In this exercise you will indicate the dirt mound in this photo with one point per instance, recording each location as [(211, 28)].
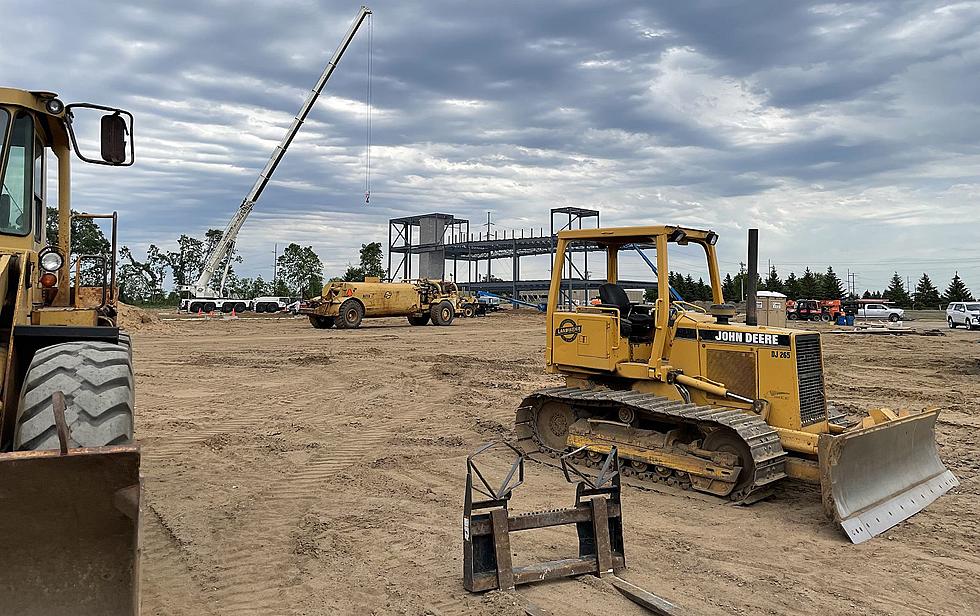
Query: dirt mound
[(132, 318)]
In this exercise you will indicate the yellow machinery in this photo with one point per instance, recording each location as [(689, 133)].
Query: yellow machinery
[(69, 469), (346, 304), (691, 399)]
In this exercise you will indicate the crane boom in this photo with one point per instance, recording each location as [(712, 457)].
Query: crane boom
[(222, 252)]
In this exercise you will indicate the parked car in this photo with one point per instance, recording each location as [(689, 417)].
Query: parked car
[(881, 311), (966, 314)]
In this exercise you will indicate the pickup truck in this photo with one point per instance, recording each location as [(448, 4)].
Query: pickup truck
[(966, 314), (880, 311)]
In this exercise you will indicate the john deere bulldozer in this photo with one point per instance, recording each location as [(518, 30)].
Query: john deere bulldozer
[(692, 399), (69, 470)]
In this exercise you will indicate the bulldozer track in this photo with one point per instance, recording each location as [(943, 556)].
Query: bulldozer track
[(760, 438)]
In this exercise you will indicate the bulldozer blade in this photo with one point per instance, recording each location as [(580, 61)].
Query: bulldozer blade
[(873, 478), (70, 528)]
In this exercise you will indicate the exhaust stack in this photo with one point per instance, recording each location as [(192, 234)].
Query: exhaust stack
[(751, 318)]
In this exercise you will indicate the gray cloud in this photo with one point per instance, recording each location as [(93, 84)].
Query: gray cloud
[(846, 131)]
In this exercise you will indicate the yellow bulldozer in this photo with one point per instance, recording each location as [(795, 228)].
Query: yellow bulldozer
[(69, 469), (690, 398)]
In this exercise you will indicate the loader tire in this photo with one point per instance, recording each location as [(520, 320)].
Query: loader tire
[(320, 322), (351, 314), (126, 341), (443, 313), (97, 381), (468, 310), (418, 319)]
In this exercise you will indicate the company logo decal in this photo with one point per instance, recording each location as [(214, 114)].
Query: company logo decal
[(736, 337), (568, 330)]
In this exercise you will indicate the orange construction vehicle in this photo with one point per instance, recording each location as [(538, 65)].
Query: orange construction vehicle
[(813, 309)]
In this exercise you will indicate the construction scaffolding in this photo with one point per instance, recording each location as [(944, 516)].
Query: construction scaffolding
[(435, 239)]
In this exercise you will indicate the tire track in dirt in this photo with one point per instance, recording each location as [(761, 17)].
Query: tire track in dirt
[(164, 570), (266, 537), (244, 583)]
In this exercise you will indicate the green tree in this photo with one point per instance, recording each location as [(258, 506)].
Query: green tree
[(896, 292), (792, 288), (832, 287), (187, 262), (141, 282), (300, 271), (369, 264), (703, 290), (353, 274), (809, 285), (729, 288), (926, 294), (371, 260), (772, 282), (957, 290)]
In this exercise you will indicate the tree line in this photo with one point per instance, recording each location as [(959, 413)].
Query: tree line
[(824, 285), (156, 278)]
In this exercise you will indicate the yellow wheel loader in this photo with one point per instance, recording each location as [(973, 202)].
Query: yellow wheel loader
[(69, 468), (692, 399)]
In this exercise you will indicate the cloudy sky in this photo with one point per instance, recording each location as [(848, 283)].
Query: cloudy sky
[(847, 132)]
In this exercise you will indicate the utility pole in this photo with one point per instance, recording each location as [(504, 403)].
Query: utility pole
[(275, 264)]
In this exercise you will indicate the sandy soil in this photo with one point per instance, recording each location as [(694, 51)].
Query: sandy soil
[(294, 471)]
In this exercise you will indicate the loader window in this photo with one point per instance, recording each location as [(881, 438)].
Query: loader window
[(17, 193)]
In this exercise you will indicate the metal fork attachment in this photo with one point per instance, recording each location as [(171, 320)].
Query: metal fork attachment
[(487, 524)]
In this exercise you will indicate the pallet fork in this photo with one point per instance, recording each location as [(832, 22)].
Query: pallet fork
[(597, 515)]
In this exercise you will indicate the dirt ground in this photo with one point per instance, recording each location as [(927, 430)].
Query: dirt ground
[(294, 471)]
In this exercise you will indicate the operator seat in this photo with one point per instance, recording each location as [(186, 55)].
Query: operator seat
[(632, 324)]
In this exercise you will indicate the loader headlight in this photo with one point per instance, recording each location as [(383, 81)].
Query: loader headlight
[(51, 260)]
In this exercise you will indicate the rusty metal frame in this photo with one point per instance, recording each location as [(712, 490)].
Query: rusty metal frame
[(114, 217), (487, 525)]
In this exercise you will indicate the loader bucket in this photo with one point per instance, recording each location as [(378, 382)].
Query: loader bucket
[(69, 532), (873, 478)]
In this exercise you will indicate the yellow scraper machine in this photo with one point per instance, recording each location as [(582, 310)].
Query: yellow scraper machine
[(689, 398)]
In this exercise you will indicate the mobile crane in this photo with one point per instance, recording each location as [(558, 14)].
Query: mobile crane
[(202, 295)]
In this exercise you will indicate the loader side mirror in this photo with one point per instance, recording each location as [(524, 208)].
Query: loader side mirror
[(114, 139), (113, 132)]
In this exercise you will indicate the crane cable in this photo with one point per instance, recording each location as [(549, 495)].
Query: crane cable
[(367, 111)]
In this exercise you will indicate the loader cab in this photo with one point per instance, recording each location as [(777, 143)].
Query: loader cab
[(38, 133), (618, 334)]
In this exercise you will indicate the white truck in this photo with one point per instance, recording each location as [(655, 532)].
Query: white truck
[(271, 304), (966, 314), (881, 311), (214, 304)]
